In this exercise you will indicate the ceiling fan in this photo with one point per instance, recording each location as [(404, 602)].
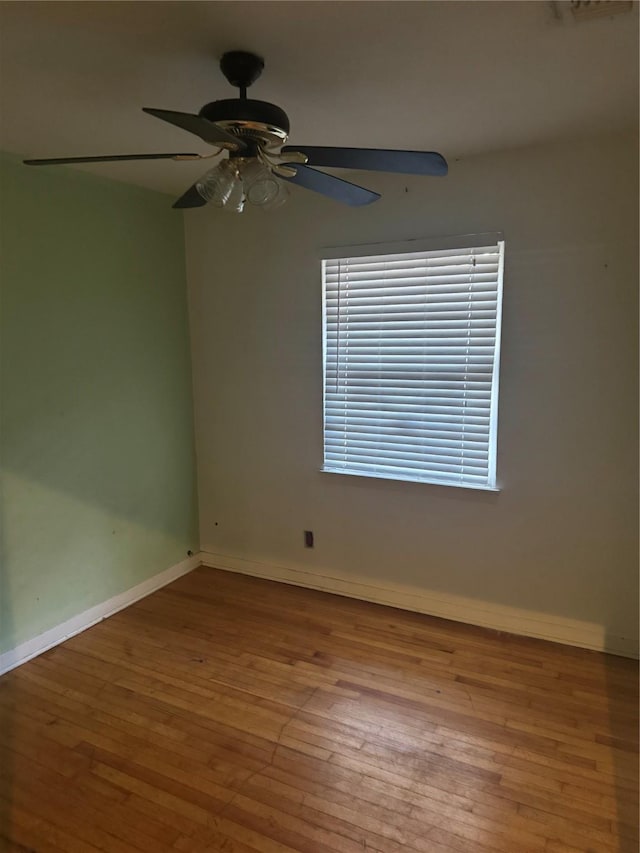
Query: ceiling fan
[(259, 163)]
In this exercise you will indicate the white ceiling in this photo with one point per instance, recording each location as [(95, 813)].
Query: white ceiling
[(455, 77)]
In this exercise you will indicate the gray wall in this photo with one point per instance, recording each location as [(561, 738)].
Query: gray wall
[(561, 536)]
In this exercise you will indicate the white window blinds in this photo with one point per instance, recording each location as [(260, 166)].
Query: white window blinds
[(411, 355)]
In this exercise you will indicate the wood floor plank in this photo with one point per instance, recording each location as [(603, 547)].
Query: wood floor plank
[(227, 713)]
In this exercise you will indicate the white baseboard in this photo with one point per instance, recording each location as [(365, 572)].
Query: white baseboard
[(58, 634), (513, 620), (527, 623)]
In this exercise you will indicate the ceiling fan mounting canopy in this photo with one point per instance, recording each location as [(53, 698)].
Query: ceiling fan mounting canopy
[(254, 134), (241, 68)]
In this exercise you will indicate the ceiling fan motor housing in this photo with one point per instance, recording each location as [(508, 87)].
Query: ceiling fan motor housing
[(252, 120)]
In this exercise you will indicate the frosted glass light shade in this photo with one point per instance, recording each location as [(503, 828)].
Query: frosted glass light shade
[(218, 184), (260, 184)]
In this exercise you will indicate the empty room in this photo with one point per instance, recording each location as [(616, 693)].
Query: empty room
[(319, 427)]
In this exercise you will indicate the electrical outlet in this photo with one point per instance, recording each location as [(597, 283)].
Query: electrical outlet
[(308, 538)]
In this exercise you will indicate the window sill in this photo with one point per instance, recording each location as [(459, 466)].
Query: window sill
[(449, 483)]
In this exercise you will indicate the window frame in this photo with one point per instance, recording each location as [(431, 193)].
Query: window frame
[(336, 253)]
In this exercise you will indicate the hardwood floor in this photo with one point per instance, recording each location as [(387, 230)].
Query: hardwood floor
[(225, 713)]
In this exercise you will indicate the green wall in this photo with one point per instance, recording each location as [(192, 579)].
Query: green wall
[(98, 469)]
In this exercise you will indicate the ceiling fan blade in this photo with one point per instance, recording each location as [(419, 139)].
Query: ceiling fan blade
[(191, 198), (374, 159), (202, 127), (60, 161), (331, 186)]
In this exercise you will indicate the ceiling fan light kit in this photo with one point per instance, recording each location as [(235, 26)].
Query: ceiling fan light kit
[(259, 164), (242, 179)]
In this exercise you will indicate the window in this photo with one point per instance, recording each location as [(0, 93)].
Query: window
[(411, 358)]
